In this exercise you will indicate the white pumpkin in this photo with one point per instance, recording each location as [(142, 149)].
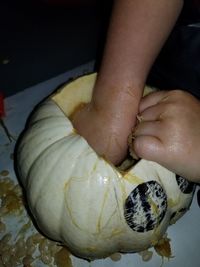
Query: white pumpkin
[(83, 201)]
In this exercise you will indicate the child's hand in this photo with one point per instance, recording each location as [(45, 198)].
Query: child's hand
[(106, 132), (169, 132)]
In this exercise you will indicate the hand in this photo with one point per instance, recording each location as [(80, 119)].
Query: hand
[(106, 132), (169, 132)]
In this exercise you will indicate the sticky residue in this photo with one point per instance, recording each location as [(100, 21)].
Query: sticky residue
[(133, 179), (163, 248), (62, 258)]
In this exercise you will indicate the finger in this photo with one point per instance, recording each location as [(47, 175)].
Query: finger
[(149, 148), (152, 99), (151, 128), (153, 113)]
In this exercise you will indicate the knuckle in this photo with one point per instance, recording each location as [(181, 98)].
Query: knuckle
[(177, 94)]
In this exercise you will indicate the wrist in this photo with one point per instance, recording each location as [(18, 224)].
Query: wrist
[(116, 101)]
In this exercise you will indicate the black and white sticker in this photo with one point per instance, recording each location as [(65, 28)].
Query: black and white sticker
[(145, 207), (185, 186)]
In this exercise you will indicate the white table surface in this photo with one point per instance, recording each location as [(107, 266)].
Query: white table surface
[(184, 235)]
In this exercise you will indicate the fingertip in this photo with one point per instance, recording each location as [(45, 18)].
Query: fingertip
[(148, 147)]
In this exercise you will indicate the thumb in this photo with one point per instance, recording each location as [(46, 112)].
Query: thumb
[(149, 147)]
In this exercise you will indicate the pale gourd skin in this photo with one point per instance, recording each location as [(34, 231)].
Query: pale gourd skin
[(83, 201)]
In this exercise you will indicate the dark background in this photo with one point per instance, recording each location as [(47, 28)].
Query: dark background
[(41, 39)]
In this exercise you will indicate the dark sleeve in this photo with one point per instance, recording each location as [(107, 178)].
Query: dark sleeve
[(190, 13), (178, 64)]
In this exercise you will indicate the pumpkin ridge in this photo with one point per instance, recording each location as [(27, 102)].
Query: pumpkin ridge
[(45, 110), (45, 151), (39, 132)]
